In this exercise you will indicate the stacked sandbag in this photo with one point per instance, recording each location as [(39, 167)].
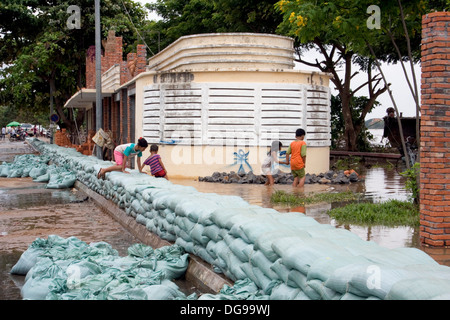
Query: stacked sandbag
[(286, 255), (69, 269), (37, 167), (25, 165)]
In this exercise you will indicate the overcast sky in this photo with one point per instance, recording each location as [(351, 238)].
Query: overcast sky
[(393, 73)]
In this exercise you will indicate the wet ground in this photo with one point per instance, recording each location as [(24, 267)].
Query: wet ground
[(28, 210)]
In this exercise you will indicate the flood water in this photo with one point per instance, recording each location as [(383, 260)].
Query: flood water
[(28, 210)]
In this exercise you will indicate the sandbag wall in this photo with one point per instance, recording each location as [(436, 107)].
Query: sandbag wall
[(37, 167), (287, 255)]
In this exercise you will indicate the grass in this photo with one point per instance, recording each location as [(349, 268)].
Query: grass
[(283, 197), (390, 213)]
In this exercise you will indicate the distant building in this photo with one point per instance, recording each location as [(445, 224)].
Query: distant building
[(213, 102)]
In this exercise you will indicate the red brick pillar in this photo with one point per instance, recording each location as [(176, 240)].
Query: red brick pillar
[(435, 131)]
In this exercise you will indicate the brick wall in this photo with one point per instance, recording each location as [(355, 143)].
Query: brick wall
[(113, 54), (117, 116), (435, 131)]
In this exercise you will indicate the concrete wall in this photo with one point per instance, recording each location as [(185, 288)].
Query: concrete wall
[(225, 50), (203, 123), (223, 113)]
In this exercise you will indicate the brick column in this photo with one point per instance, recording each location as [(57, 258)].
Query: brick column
[(435, 131)]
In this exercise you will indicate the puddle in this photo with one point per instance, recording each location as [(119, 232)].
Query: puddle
[(382, 184), (10, 284), (18, 198)]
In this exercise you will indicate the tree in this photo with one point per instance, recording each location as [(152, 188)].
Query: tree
[(337, 30), (185, 17), (341, 31), (337, 122), (45, 55)]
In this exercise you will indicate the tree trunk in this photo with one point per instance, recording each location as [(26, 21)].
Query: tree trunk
[(350, 136)]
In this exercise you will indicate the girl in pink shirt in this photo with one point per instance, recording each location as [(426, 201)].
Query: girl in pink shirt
[(121, 155)]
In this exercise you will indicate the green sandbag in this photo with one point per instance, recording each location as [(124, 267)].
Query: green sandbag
[(38, 286), (164, 291), (43, 178), (244, 289), (173, 267), (420, 289), (284, 292), (140, 250), (38, 171), (26, 261)]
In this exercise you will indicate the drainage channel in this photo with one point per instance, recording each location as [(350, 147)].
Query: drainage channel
[(29, 211)]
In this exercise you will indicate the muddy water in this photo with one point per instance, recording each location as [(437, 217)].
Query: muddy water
[(29, 211)]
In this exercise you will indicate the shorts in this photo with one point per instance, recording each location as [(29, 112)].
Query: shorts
[(118, 157), (299, 173), (266, 171), (160, 174)]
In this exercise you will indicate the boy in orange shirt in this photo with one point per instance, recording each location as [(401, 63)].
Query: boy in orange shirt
[(297, 152)]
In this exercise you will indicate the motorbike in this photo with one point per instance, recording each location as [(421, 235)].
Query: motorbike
[(19, 136)]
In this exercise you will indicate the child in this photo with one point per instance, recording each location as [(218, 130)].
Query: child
[(156, 165), (297, 150), (269, 161), (121, 155)]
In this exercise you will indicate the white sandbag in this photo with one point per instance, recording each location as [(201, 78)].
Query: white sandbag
[(299, 279), (259, 260), (265, 240), (240, 248)]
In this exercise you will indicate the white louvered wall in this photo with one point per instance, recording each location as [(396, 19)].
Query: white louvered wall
[(239, 114)]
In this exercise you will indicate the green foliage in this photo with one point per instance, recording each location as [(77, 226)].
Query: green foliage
[(282, 197), (348, 163), (411, 184), (37, 49), (186, 17), (7, 115), (339, 31), (390, 213), (342, 21), (345, 22)]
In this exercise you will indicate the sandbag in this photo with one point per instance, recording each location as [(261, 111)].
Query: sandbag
[(67, 269), (420, 289), (165, 291)]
